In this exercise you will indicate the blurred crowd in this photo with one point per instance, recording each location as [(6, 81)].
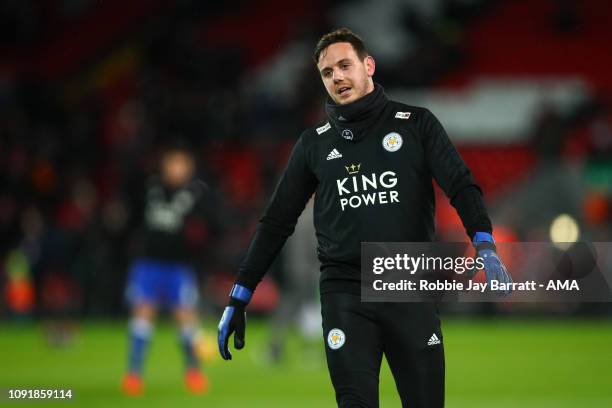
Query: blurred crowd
[(81, 127)]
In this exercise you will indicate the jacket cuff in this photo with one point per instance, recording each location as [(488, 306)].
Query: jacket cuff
[(241, 293), (483, 240)]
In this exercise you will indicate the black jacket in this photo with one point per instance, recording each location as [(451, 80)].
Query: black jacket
[(166, 215), (370, 168)]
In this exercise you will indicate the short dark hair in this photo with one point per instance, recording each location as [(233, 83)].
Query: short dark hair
[(337, 36), (176, 144)]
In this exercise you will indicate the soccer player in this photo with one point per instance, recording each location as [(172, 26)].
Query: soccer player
[(163, 276), (399, 148)]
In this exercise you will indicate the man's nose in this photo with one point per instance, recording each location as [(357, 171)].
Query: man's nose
[(338, 75)]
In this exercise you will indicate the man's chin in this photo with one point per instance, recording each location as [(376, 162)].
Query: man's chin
[(347, 100)]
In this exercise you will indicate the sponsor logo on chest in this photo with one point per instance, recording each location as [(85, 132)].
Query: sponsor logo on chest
[(362, 188)]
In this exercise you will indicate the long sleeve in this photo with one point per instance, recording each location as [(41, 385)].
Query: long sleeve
[(295, 188), (453, 176)]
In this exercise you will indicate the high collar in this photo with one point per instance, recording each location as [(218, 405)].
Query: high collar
[(352, 120)]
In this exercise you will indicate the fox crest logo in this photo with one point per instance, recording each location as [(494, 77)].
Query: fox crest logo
[(335, 339), (392, 142)]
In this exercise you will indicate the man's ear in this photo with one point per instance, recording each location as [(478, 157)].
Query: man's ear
[(370, 65)]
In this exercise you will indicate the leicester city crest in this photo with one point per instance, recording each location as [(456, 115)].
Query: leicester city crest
[(335, 339), (392, 142)]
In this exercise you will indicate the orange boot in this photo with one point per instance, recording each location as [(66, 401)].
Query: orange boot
[(132, 385), (196, 381)]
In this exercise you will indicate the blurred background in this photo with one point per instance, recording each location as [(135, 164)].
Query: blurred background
[(91, 90)]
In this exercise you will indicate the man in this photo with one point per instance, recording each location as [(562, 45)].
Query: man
[(163, 276), (399, 148)]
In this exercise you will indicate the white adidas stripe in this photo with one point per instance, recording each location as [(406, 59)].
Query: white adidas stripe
[(433, 340), (334, 154)]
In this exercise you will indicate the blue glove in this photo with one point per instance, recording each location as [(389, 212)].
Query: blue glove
[(493, 266), (234, 320)]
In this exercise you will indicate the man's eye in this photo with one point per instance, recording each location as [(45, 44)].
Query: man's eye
[(326, 74), (345, 66)]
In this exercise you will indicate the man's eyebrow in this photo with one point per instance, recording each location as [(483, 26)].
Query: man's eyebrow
[(343, 60)]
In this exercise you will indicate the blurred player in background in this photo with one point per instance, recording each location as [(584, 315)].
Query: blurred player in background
[(163, 277)]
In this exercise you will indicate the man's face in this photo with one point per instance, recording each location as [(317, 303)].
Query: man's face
[(346, 77), (177, 168)]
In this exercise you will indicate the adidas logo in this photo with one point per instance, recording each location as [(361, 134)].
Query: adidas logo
[(433, 340), (334, 154)]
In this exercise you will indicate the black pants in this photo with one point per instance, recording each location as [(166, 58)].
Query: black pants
[(358, 334)]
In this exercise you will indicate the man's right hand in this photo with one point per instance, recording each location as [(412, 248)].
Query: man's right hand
[(233, 320)]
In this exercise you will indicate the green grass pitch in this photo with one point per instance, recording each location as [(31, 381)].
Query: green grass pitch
[(490, 363)]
